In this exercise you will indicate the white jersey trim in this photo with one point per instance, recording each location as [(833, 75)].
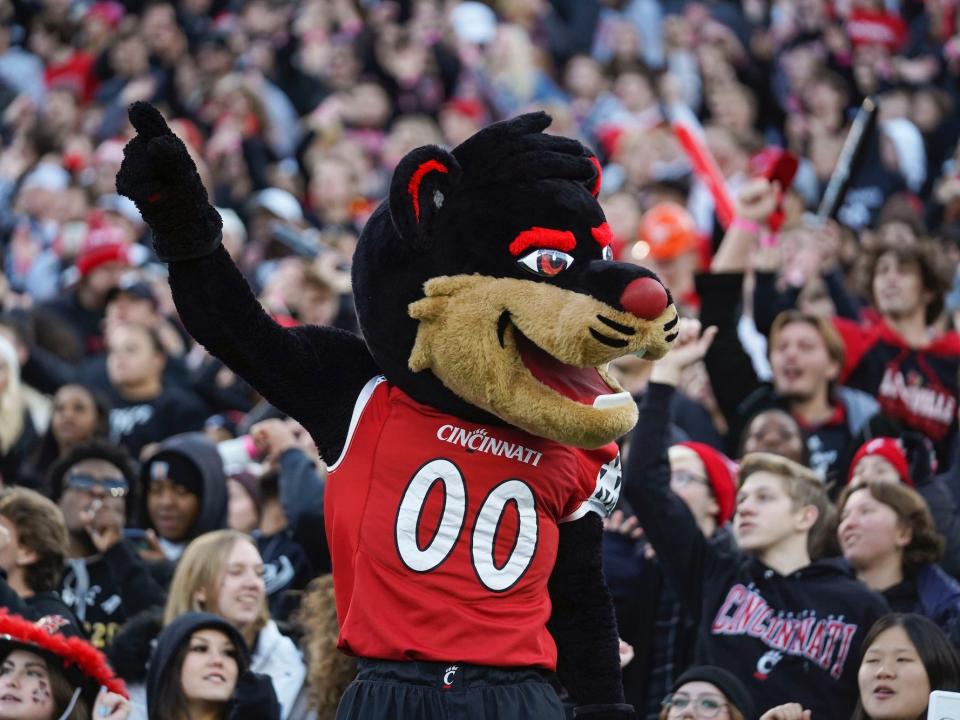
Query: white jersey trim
[(362, 399)]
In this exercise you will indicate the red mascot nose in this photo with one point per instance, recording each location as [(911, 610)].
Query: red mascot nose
[(645, 298)]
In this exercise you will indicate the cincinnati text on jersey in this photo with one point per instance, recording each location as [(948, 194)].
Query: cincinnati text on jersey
[(479, 441)]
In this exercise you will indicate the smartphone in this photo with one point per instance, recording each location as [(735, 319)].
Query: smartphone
[(943, 705)]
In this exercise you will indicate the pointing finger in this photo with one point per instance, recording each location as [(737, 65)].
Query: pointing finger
[(147, 121)]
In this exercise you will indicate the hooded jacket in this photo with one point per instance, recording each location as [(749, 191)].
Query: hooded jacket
[(202, 454), (253, 698), (788, 638)]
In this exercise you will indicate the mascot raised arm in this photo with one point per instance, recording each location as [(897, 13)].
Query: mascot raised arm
[(469, 433)]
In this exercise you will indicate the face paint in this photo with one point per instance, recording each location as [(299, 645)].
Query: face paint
[(41, 694)]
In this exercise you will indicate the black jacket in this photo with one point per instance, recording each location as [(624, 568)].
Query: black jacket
[(39, 605), (13, 461), (644, 601), (253, 698), (103, 591), (788, 638), (134, 424)]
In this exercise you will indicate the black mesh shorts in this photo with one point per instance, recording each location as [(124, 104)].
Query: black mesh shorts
[(385, 690)]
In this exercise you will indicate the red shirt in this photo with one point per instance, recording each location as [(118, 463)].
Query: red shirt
[(443, 533)]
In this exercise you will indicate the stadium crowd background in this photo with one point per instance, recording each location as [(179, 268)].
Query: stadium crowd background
[(296, 113)]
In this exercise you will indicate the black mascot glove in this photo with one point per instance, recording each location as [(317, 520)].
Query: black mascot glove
[(159, 175), (619, 711), (254, 699)]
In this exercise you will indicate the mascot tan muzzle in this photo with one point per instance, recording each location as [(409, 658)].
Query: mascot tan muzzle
[(535, 355)]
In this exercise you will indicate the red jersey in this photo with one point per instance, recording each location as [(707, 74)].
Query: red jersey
[(916, 386), (443, 533)]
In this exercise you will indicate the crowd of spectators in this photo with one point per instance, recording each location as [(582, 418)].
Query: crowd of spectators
[(144, 480)]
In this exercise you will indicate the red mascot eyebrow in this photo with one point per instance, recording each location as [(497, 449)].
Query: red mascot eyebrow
[(413, 187), (602, 234), (543, 237)]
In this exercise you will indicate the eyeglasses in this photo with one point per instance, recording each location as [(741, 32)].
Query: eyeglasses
[(113, 486), (705, 706), (682, 478)]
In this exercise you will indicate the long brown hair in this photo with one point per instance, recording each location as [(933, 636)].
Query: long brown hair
[(329, 671)]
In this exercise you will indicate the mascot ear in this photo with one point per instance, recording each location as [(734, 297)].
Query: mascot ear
[(421, 185), (593, 185)]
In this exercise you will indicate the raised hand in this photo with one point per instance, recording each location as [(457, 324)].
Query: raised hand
[(103, 523), (111, 706), (757, 200), (690, 347), (159, 175)]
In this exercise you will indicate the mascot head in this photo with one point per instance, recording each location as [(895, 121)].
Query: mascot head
[(485, 287)]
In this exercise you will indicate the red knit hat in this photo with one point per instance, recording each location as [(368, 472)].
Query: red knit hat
[(890, 450), (93, 256), (721, 472), (85, 667)]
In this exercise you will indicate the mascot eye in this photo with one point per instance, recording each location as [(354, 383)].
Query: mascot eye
[(608, 253), (547, 263)]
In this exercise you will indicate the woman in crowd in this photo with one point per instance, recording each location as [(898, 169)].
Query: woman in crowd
[(905, 658), (221, 572), (17, 433), (46, 676), (200, 670), (79, 416), (887, 536), (708, 692)]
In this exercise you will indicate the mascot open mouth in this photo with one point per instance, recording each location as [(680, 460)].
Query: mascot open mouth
[(529, 353), (584, 385)]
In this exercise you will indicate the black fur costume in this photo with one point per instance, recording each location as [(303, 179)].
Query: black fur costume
[(449, 215)]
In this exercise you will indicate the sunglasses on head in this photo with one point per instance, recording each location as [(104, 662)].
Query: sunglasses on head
[(113, 486)]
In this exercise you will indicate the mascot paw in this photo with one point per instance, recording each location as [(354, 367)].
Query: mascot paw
[(159, 175)]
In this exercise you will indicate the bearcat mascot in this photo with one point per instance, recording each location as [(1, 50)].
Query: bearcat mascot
[(469, 433)]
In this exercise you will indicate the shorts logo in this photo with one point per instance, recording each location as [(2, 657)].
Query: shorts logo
[(449, 675)]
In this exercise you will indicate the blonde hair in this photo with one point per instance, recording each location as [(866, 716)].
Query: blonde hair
[(329, 671), (12, 405), (200, 569), (802, 486)]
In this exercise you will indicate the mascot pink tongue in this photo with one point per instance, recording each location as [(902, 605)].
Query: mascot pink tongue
[(580, 384), (643, 297)]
